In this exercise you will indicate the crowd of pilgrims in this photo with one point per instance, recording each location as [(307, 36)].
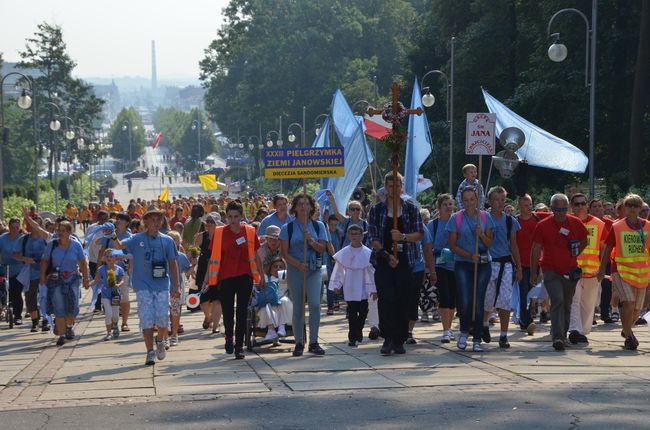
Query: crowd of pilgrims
[(253, 264)]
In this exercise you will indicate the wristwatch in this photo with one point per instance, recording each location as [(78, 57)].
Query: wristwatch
[(403, 237)]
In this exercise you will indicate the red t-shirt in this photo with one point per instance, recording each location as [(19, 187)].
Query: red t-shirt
[(611, 241), (234, 256), (556, 256), (174, 220), (525, 235)]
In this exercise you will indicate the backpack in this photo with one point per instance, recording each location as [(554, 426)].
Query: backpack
[(290, 229), (459, 220)]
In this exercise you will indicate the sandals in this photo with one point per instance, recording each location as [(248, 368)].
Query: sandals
[(125, 328)]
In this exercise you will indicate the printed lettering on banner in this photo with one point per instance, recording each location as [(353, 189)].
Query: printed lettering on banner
[(480, 139)]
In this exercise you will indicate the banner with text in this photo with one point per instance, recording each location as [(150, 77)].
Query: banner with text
[(480, 134), (287, 163)]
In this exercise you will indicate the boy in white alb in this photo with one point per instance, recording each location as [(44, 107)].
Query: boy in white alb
[(354, 274)]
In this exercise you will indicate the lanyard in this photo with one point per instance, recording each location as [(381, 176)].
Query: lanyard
[(639, 231), (152, 249)]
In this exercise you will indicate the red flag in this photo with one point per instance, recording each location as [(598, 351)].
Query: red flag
[(156, 141), (376, 127)]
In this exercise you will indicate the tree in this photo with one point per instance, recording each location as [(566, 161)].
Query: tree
[(127, 135), (640, 97)]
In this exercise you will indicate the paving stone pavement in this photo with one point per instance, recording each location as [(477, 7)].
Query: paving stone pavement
[(87, 371)]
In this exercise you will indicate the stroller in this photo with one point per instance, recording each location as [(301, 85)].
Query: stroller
[(6, 311)]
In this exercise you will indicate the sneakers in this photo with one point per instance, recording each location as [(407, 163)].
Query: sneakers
[(151, 358), (398, 348), (436, 315), (60, 341), (476, 347), (424, 318), (446, 338), (34, 328), (615, 317), (352, 342), (239, 353), (543, 317), (410, 340), (315, 348), (109, 336), (298, 350), (493, 318), (69, 333), (575, 337), (374, 333), (282, 332), (462, 342), (330, 312), (173, 341), (271, 336), (503, 342), (487, 338), (18, 321), (558, 345), (530, 330), (161, 352), (386, 348), (116, 332), (630, 343), (45, 326), (166, 343)]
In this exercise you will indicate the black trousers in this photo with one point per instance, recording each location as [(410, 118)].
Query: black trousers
[(394, 294), (16, 297), (605, 298), (357, 313), (240, 287)]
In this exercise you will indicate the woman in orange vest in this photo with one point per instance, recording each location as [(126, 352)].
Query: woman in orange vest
[(233, 268), (631, 266)]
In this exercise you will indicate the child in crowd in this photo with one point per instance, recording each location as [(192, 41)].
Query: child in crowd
[(184, 267), (110, 277), (278, 314), (470, 174), (354, 274)]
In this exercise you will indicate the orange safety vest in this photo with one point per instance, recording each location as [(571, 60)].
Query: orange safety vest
[(215, 258), (633, 253), (589, 258)]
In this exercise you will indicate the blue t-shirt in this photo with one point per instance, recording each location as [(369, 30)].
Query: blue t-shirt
[(34, 248), (272, 219), (426, 240), (335, 238), (296, 247), (466, 238), (103, 279), (147, 250), (440, 242), (500, 241), (66, 260), (7, 247), (183, 264), (348, 222), (108, 244)]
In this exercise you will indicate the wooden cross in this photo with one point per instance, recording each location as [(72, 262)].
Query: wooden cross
[(397, 135)]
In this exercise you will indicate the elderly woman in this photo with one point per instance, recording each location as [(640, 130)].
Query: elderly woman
[(60, 266), (210, 303), (304, 269), (465, 229)]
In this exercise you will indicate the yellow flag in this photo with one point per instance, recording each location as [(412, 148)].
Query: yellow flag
[(208, 182), (164, 196)]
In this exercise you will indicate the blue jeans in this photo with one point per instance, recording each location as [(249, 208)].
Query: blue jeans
[(295, 282), (524, 288), (464, 272)]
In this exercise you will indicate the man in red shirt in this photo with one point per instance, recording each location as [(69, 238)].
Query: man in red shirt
[(528, 220), (562, 238), (178, 217)]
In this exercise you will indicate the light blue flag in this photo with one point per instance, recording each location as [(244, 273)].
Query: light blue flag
[(357, 153), (418, 143), (323, 141), (324, 203), (541, 148)]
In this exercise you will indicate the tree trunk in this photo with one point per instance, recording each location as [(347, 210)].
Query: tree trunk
[(640, 96)]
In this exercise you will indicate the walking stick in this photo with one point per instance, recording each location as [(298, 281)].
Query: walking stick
[(304, 274), (478, 223)]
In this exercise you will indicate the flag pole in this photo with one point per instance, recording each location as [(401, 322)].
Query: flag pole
[(478, 223)]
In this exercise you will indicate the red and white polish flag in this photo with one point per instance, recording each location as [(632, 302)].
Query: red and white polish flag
[(376, 127), (156, 141)]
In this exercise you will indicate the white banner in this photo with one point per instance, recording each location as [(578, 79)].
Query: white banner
[(480, 134)]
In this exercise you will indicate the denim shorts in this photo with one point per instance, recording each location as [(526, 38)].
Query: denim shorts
[(153, 308), (65, 297)]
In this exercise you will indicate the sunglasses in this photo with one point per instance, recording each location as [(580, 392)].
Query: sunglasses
[(579, 203), (560, 210), (354, 209)]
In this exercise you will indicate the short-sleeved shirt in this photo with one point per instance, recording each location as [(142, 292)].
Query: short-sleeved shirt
[(66, 260), (234, 254), (466, 236), (440, 240), (611, 240), (500, 240), (296, 246), (525, 235), (34, 248), (109, 245), (103, 279), (556, 256), (426, 240), (272, 219), (147, 250), (7, 247)]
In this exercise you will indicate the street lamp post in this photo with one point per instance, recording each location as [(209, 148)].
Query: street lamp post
[(429, 100), (126, 125), (55, 125), (279, 143), (196, 125), (24, 102), (292, 137), (557, 52)]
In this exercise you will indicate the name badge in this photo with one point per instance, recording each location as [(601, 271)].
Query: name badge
[(564, 231), (240, 240)]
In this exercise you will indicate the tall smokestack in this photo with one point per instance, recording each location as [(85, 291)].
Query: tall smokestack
[(154, 77)]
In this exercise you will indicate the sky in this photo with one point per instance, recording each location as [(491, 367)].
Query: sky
[(113, 38)]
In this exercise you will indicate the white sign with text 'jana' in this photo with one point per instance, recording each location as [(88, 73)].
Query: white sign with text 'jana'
[(480, 139)]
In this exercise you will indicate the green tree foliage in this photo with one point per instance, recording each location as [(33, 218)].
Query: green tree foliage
[(180, 132), (127, 135)]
